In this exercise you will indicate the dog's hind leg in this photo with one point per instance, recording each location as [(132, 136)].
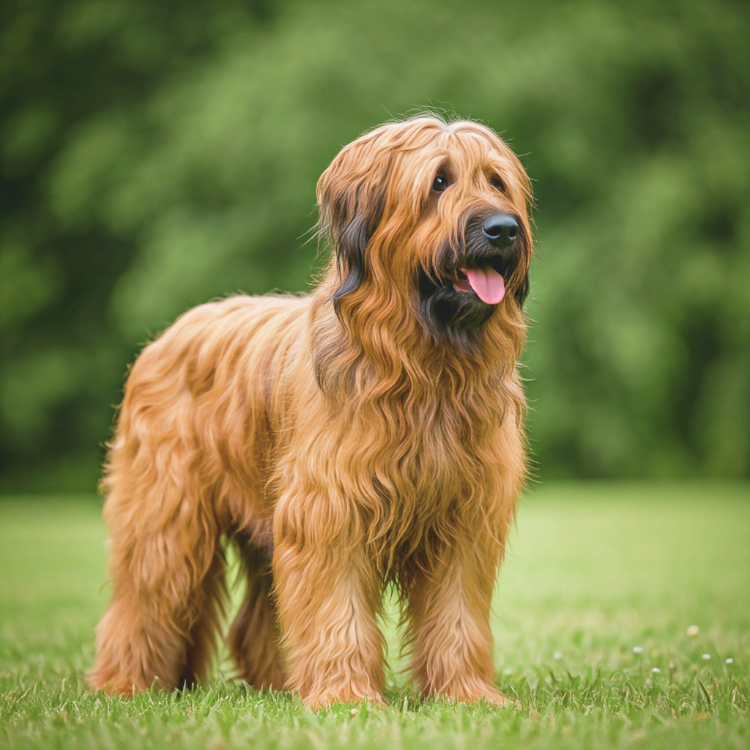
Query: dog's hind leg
[(167, 570), (255, 633)]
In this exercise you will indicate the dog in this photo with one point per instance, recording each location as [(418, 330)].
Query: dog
[(365, 435)]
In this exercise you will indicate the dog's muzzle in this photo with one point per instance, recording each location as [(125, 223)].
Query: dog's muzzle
[(490, 257), (468, 283)]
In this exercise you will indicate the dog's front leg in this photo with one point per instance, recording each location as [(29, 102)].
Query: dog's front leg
[(329, 597), (449, 623)]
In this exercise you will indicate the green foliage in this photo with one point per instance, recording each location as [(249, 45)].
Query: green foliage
[(156, 155), (591, 575)]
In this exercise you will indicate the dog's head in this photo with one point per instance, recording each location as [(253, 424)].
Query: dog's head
[(434, 214)]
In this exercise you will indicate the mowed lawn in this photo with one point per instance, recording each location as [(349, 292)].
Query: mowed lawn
[(591, 622)]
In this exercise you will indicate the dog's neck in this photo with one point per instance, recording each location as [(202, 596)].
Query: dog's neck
[(387, 362)]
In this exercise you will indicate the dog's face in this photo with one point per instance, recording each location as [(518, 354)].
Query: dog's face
[(432, 213)]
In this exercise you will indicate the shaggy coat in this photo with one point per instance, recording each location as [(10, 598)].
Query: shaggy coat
[(366, 434)]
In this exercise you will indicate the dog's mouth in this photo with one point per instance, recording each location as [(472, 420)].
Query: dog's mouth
[(485, 281), (462, 291)]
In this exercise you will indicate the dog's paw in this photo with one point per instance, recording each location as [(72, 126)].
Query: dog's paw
[(318, 701), (475, 694), (494, 697)]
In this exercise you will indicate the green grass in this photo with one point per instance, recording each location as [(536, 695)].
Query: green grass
[(594, 571)]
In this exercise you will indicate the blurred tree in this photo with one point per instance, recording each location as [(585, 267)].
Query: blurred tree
[(155, 155)]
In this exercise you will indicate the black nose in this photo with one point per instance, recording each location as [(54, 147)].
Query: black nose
[(500, 229)]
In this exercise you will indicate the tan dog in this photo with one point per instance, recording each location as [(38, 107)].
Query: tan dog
[(365, 434)]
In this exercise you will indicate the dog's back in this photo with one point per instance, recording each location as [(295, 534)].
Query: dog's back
[(203, 388)]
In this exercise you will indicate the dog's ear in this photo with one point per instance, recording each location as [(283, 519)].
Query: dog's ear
[(351, 198)]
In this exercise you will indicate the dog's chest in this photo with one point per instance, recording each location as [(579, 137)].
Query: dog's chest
[(429, 466)]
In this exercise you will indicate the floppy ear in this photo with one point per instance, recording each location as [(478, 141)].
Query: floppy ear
[(351, 198)]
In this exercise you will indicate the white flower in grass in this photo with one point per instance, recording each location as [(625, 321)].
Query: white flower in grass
[(557, 656), (637, 649), (693, 631), (656, 670), (730, 660), (706, 657)]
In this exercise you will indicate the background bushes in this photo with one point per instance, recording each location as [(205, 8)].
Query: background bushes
[(155, 155)]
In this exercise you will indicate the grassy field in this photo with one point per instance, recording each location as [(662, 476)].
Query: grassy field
[(592, 613)]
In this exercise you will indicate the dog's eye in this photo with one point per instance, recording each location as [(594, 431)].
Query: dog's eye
[(440, 183), (497, 183)]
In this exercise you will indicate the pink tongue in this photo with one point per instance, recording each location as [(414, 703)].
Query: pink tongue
[(487, 283)]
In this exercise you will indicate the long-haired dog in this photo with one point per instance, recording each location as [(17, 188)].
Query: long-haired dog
[(367, 434)]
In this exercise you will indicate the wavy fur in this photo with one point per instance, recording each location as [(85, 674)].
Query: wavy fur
[(341, 440)]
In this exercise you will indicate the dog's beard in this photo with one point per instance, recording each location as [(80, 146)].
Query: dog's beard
[(462, 291), (449, 314)]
